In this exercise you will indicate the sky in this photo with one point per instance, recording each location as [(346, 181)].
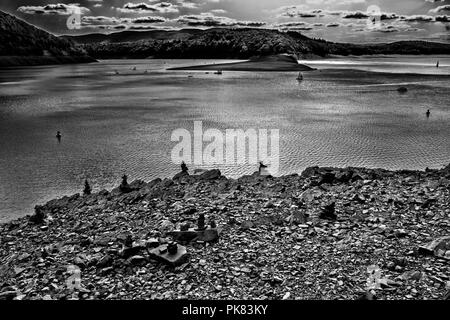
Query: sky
[(358, 21)]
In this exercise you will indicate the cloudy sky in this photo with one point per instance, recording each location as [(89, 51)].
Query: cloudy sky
[(336, 20)]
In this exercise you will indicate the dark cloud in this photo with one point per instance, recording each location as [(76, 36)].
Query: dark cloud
[(355, 15), (57, 9), (389, 16), (442, 19), (209, 20), (151, 19), (417, 18), (100, 20), (161, 7), (297, 12)]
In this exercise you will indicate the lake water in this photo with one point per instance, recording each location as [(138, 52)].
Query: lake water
[(340, 115)]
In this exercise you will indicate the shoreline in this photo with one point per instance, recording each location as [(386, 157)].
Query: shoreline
[(28, 61), (382, 218)]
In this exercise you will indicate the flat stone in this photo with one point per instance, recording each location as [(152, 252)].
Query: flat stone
[(137, 260), (161, 254), (210, 175), (207, 235)]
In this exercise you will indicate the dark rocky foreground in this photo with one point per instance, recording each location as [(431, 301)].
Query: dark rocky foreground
[(312, 236)]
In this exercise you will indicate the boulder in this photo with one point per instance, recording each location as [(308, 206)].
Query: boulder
[(210, 175), (39, 215), (180, 175)]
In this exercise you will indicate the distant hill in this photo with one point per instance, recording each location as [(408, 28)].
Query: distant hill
[(239, 43), (24, 44)]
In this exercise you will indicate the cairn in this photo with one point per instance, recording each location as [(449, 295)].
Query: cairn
[(184, 167), (124, 186), (201, 222), (87, 188)]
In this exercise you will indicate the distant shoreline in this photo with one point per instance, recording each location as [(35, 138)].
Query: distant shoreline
[(22, 61)]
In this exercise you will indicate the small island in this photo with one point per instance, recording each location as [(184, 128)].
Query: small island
[(280, 62)]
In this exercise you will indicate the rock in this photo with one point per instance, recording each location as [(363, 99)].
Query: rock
[(387, 283), (327, 178), (190, 211), (269, 205), (23, 257), (369, 295), (437, 247), (246, 225), (297, 217), (412, 275), (359, 198), (166, 226), (161, 254), (18, 271), (328, 212), (127, 252), (344, 176), (8, 295), (185, 227), (105, 261), (39, 215), (152, 243), (207, 235), (210, 175), (137, 260), (446, 295), (309, 172), (180, 175), (106, 271)]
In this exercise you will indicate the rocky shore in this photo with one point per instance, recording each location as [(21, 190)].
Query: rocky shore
[(328, 233)]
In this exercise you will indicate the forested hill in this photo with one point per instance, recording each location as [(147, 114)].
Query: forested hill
[(235, 43), (23, 44)]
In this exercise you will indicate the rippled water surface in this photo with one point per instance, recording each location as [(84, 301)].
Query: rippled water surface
[(340, 115)]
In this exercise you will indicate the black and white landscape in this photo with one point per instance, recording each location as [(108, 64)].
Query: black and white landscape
[(250, 150)]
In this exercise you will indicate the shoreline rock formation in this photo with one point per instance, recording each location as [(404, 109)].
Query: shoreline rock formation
[(274, 239)]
